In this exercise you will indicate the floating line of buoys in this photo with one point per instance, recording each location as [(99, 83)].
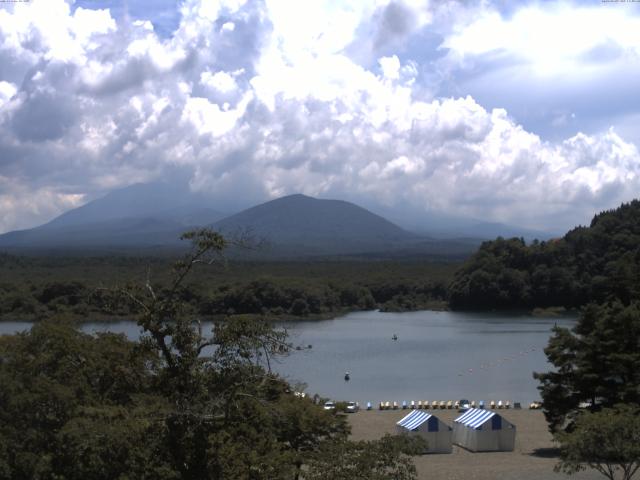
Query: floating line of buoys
[(492, 364)]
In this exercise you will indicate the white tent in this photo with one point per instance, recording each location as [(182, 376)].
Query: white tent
[(483, 431), (431, 428)]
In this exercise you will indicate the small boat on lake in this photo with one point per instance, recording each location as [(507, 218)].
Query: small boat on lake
[(347, 377), (395, 337)]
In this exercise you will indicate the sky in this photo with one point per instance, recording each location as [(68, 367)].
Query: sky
[(518, 112)]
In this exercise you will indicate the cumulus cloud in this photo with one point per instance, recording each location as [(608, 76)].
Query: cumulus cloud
[(396, 21), (251, 105), (22, 204), (7, 91), (574, 37), (544, 62)]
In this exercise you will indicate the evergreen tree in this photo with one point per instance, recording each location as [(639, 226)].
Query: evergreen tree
[(596, 364)]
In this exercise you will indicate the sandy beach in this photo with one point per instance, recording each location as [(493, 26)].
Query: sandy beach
[(533, 457)]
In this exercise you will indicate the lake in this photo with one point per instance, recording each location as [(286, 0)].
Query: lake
[(437, 356)]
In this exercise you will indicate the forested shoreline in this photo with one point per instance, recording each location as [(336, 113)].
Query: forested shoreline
[(589, 264), (35, 288), (590, 397), (599, 263)]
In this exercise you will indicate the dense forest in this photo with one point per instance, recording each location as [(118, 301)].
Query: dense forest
[(590, 397), (589, 264), (34, 288)]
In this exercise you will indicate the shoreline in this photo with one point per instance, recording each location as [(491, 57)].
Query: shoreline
[(552, 312)]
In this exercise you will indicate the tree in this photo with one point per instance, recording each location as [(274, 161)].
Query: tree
[(177, 405), (223, 420), (596, 364), (384, 459), (70, 402), (306, 427), (596, 263), (607, 441)]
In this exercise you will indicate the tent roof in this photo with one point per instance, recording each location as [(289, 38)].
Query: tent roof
[(474, 417), (414, 419)]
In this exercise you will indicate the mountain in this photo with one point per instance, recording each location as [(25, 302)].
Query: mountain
[(445, 226), (320, 226), (441, 226), (491, 230), (160, 201), (154, 215), (141, 215), (302, 226)]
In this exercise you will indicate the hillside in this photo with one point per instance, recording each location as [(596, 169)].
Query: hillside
[(594, 263), (149, 218), (298, 226), (162, 201), (142, 215), (320, 226)]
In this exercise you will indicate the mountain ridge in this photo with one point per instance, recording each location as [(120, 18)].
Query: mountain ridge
[(154, 215)]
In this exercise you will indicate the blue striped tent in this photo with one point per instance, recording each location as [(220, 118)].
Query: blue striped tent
[(481, 430), (431, 428)]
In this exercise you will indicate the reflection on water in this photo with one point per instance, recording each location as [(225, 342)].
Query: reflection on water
[(437, 356)]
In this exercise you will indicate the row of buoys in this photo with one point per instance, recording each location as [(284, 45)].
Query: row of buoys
[(497, 363)]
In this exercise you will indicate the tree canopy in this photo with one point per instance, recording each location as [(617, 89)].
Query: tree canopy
[(178, 404), (589, 264), (41, 287), (596, 363), (607, 441), (366, 460)]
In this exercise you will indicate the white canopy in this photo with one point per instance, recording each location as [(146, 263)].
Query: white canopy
[(431, 428), (482, 430)]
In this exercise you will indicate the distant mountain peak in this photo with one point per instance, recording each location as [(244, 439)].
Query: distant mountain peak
[(319, 224), (293, 226), (294, 196)]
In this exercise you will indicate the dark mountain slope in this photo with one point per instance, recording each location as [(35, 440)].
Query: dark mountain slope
[(296, 226), (319, 226), (161, 201), (139, 215)]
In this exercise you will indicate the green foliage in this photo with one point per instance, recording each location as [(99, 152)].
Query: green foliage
[(77, 406), (598, 263), (384, 459), (41, 287), (595, 364), (607, 441), (59, 389)]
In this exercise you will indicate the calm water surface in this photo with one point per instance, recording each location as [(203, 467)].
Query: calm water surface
[(438, 355)]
